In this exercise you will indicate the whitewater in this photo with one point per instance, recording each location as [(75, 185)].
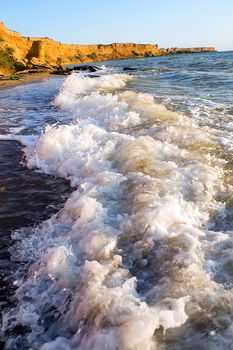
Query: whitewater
[(140, 254)]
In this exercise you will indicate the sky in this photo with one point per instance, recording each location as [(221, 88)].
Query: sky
[(168, 23)]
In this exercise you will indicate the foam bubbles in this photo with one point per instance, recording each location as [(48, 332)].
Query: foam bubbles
[(77, 84), (127, 255)]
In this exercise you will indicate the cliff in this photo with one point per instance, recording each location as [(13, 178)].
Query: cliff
[(177, 50), (21, 53), (24, 49)]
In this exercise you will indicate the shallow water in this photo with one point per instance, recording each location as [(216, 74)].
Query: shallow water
[(140, 255)]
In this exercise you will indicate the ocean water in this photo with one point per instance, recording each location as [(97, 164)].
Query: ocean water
[(140, 255)]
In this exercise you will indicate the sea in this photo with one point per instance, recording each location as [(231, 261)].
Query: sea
[(116, 207)]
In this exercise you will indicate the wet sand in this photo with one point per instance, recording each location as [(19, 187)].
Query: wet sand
[(24, 79)]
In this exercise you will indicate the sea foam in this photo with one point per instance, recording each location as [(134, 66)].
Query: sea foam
[(126, 256)]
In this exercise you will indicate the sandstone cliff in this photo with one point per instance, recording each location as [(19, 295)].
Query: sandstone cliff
[(24, 49), (19, 53)]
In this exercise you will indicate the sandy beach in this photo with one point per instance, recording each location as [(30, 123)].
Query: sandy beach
[(24, 79)]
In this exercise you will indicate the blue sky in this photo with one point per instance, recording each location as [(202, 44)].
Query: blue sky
[(170, 23)]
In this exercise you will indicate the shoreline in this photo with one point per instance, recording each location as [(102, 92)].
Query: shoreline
[(25, 79)]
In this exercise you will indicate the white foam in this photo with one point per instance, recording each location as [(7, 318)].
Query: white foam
[(77, 84)]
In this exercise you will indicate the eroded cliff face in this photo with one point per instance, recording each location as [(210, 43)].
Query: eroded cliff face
[(52, 52), (19, 53)]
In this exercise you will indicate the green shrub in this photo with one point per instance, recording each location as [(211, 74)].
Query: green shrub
[(10, 50), (6, 59), (75, 58), (92, 56)]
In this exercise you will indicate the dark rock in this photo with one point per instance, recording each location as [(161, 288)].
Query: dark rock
[(129, 68), (20, 65), (61, 71), (86, 68)]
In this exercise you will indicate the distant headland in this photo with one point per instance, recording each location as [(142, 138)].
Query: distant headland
[(18, 53)]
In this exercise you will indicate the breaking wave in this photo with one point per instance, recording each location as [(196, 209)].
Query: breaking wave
[(132, 260)]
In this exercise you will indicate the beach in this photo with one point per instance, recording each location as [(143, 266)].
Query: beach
[(6, 83)]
